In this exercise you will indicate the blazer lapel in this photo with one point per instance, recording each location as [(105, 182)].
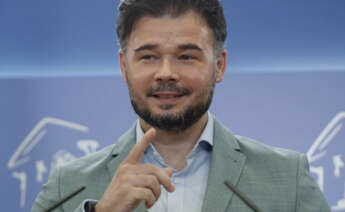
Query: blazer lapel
[(121, 150), (226, 164), (119, 153)]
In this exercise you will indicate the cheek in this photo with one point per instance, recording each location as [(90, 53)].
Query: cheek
[(199, 81), (202, 88), (140, 81), (138, 90)]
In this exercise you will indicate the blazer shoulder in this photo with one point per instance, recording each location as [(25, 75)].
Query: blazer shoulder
[(274, 159), (252, 146)]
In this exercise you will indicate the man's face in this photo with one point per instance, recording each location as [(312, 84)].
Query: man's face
[(170, 68)]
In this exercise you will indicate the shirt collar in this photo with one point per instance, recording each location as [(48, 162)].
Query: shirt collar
[(205, 140)]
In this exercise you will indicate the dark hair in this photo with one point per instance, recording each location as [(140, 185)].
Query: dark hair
[(211, 11)]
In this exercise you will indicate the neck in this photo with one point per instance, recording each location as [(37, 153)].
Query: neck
[(174, 147)]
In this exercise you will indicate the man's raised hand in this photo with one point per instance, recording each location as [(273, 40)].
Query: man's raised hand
[(134, 182)]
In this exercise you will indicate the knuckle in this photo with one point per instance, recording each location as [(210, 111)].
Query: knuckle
[(158, 192), (152, 180), (154, 170), (125, 189), (151, 166), (150, 197), (154, 184), (124, 166), (123, 178)]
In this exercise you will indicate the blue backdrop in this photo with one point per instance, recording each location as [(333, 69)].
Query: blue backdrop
[(62, 96)]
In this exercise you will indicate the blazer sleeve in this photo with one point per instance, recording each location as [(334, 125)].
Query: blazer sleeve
[(50, 195), (309, 196)]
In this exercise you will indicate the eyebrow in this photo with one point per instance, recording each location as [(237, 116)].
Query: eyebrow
[(183, 47), (146, 47), (190, 46)]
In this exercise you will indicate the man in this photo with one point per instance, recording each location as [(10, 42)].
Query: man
[(178, 157)]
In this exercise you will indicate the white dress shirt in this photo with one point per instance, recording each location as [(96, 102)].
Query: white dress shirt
[(190, 183)]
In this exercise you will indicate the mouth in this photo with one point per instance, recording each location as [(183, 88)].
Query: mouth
[(167, 98), (167, 95)]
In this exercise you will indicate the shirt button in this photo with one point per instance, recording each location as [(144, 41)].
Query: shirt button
[(176, 180)]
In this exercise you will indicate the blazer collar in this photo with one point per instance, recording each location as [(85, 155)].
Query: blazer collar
[(226, 164)]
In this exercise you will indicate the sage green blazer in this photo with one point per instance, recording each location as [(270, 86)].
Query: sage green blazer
[(275, 180)]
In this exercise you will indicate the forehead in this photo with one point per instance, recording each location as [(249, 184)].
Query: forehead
[(170, 31)]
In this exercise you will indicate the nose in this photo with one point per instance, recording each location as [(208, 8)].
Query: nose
[(166, 71)]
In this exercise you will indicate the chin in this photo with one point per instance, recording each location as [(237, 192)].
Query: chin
[(167, 112)]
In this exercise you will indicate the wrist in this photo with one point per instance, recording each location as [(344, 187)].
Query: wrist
[(97, 208)]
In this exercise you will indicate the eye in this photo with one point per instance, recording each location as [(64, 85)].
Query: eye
[(187, 57), (148, 57)]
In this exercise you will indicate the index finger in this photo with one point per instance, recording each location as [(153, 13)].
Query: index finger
[(135, 155)]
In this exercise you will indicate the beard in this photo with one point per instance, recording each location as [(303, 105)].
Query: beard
[(178, 121)]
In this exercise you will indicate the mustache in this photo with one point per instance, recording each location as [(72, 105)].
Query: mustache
[(171, 87)]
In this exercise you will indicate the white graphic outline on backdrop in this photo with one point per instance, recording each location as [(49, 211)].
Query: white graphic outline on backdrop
[(31, 141), (21, 176), (34, 137), (318, 150)]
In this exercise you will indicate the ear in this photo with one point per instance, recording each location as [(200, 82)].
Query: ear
[(122, 59), (221, 66)]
